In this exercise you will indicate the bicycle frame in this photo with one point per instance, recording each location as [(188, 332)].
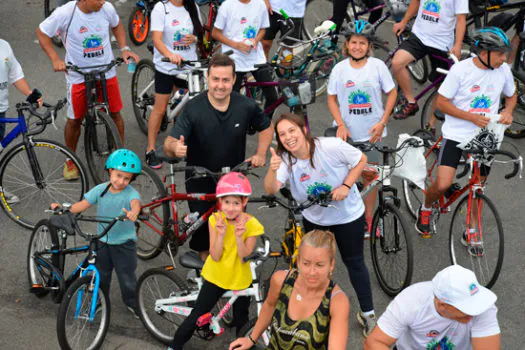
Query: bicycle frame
[(476, 13)]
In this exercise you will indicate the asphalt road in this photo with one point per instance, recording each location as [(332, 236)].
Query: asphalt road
[(27, 322)]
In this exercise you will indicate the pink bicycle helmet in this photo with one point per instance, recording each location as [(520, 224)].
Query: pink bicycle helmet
[(233, 184)]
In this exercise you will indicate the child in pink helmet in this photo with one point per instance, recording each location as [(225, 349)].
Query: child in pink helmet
[(233, 234)]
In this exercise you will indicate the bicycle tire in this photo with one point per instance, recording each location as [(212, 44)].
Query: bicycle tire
[(16, 176), (413, 194), (247, 330), (312, 19), (322, 69), (419, 70), (227, 318), (138, 25), (390, 243), (43, 237), (66, 319), (517, 128), (48, 10), (98, 152), (149, 290), (142, 106), (426, 115), (461, 254), (149, 243)]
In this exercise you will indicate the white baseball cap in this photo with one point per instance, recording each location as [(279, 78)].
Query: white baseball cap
[(458, 286)]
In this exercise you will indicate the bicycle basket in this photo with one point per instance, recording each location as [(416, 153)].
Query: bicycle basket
[(298, 90)]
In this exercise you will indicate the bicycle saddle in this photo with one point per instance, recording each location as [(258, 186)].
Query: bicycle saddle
[(191, 260), (159, 152)]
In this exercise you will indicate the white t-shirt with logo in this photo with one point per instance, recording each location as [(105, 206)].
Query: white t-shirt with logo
[(88, 39), (10, 72), (436, 22), (240, 22), (412, 319), (293, 8), (174, 23), (474, 90), (333, 159), (359, 93)]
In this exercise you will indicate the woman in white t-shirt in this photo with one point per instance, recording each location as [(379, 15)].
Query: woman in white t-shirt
[(175, 27), (355, 93), (240, 26), (326, 165)]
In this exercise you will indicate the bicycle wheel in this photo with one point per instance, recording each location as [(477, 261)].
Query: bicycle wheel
[(157, 284), (419, 70), (75, 330), (413, 194), (227, 318), (149, 242), (41, 272), (317, 11), (143, 92), (49, 7), (46, 158), (138, 25), (484, 253), (391, 250), (430, 117), (322, 69), (517, 128), (247, 330), (101, 138)]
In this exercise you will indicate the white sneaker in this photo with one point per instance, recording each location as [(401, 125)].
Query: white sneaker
[(11, 198), (191, 276)]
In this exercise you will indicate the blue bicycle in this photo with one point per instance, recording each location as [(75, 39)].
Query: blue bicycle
[(31, 174)]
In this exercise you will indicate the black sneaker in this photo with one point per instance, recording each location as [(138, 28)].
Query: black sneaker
[(152, 161)]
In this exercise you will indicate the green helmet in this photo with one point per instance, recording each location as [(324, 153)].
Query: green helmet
[(124, 160)]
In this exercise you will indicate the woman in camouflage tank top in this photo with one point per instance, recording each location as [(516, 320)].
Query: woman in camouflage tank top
[(304, 309)]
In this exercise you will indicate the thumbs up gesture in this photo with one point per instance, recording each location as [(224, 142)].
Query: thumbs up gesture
[(180, 148), (275, 160)]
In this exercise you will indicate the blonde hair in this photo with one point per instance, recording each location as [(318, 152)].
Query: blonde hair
[(319, 239)]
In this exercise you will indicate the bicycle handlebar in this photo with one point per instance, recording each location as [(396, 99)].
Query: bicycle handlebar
[(80, 70), (516, 160), (322, 199), (47, 117), (200, 63), (201, 172), (367, 146), (260, 254)]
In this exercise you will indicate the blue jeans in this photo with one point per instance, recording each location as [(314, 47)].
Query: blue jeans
[(122, 258)]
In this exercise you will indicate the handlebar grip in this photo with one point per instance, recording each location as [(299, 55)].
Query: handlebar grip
[(252, 256), (229, 52), (165, 59), (285, 15), (143, 217), (516, 168), (34, 96)]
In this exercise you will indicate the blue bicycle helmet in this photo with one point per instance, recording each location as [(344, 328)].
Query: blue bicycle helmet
[(124, 160), (490, 39), (361, 28)]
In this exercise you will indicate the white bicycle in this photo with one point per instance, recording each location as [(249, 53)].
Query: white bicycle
[(164, 299)]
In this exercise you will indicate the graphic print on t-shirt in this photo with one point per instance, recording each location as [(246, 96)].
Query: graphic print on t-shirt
[(443, 344), (178, 35), (93, 46), (249, 32), (480, 105), (431, 9), (318, 188), (359, 103)]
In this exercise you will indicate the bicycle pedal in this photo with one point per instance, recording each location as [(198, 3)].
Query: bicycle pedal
[(204, 319), (425, 236), (36, 288)]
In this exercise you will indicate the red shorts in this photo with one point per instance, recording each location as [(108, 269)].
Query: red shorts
[(77, 103)]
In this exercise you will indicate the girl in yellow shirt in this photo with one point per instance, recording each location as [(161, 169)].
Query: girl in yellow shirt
[(232, 237)]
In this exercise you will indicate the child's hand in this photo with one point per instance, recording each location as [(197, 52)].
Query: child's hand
[(220, 225), (240, 226), (54, 206), (131, 215)]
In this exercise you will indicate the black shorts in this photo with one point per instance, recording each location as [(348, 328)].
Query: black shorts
[(450, 155), (164, 83), (416, 48), (278, 26)]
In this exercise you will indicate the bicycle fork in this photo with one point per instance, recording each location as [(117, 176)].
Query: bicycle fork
[(33, 162), (95, 288)]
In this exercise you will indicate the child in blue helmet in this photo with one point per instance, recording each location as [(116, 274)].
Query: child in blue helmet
[(118, 248)]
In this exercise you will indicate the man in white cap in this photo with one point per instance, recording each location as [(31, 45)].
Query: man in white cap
[(452, 312)]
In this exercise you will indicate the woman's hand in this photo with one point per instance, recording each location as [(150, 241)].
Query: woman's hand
[(220, 225), (275, 160), (241, 344), (340, 193), (175, 59), (342, 132), (243, 47), (377, 132), (189, 39)]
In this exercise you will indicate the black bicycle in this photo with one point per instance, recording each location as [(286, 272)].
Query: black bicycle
[(31, 171), (101, 136)]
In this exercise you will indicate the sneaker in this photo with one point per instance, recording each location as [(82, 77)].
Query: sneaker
[(430, 129), (409, 109), (133, 312), (367, 322), (475, 247), (191, 277), (423, 223), (10, 198), (70, 170), (152, 160)]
